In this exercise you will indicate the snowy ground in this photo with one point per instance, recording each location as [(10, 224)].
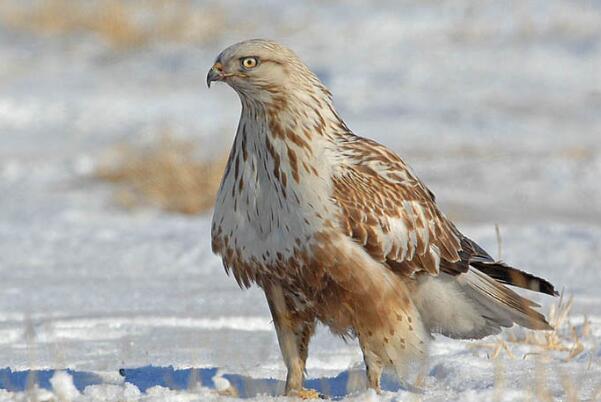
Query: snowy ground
[(497, 105)]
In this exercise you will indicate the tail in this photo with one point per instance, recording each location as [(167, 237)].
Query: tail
[(478, 258), (474, 304), (512, 276)]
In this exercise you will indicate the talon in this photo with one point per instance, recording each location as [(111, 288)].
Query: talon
[(307, 394)]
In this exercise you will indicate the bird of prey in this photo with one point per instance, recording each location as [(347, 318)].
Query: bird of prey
[(337, 229)]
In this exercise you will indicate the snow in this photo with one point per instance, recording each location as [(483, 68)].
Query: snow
[(63, 387), (495, 105)]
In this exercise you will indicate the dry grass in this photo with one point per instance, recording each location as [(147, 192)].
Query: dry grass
[(123, 24), (565, 336), (545, 341), (556, 340), (165, 174)]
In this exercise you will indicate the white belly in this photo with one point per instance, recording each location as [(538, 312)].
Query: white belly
[(265, 221)]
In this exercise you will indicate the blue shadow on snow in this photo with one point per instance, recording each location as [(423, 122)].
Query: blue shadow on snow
[(150, 376)]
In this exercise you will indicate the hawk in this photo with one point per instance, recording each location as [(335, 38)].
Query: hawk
[(337, 229)]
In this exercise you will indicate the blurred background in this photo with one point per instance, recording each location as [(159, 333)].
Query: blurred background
[(112, 148)]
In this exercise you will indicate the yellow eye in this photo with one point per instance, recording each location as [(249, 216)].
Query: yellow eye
[(249, 62)]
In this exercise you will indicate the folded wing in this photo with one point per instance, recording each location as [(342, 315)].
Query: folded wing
[(394, 217)]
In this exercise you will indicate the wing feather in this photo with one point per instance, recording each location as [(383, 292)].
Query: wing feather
[(393, 215), (388, 211)]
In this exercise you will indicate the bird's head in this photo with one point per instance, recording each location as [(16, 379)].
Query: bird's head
[(261, 69)]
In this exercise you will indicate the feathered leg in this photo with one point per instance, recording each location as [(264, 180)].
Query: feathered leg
[(391, 334), (373, 366), (294, 331)]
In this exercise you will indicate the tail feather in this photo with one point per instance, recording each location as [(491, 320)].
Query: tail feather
[(478, 258), (472, 305), (514, 277), (502, 301)]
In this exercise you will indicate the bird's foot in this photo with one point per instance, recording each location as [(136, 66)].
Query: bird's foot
[(306, 394)]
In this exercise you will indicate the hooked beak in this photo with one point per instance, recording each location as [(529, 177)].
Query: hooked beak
[(215, 74)]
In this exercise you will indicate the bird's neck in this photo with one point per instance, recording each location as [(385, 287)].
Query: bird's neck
[(309, 115), (288, 139)]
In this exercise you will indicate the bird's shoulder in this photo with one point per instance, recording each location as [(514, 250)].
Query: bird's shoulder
[(378, 161)]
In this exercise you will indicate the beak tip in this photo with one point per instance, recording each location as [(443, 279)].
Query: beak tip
[(215, 74)]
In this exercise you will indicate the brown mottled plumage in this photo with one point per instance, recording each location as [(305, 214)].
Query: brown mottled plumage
[(336, 228)]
